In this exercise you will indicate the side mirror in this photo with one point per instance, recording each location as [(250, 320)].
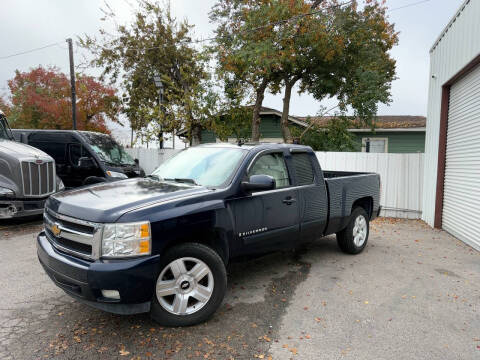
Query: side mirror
[(259, 183), (136, 161), (86, 163)]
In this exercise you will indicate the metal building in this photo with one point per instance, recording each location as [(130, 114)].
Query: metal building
[(451, 197)]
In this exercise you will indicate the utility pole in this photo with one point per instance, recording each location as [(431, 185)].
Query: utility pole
[(72, 82)]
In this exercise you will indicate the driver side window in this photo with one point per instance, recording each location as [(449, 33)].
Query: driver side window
[(273, 165), (76, 152)]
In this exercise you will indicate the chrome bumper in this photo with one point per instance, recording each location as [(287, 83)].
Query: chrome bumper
[(10, 209)]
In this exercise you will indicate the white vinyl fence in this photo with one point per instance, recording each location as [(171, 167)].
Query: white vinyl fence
[(150, 159), (401, 175)]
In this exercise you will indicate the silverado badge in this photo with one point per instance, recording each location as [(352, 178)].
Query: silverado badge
[(56, 230)]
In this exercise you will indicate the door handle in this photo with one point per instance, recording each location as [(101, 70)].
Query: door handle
[(289, 200)]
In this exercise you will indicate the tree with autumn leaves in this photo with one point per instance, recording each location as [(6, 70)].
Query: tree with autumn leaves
[(156, 43), (40, 99), (329, 49), (326, 48)]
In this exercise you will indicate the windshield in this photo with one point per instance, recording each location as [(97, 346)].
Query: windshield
[(5, 132), (108, 150), (204, 165)]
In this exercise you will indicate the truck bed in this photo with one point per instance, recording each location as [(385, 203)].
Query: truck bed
[(344, 188), (328, 174)]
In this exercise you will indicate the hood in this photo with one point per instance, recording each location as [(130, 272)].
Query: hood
[(106, 202), (19, 150)]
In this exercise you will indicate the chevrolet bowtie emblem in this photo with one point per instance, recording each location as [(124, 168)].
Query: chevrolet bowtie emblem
[(56, 230)]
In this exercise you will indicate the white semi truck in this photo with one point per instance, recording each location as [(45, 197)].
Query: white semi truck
[(27, 176)]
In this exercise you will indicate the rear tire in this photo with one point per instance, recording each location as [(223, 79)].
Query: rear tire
[(190, 286), (353, 239)]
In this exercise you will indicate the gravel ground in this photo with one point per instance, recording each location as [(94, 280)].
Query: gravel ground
[(413, 293)]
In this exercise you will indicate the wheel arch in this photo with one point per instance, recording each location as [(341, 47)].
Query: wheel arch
[(366, 203)]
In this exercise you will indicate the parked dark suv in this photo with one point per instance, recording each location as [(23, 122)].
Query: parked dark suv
[(82, 157)]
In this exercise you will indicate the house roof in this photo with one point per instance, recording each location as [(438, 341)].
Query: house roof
[(295, 119), (381, 122), (264, 111)]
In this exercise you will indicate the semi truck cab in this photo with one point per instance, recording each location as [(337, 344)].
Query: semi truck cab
[(27, 176)]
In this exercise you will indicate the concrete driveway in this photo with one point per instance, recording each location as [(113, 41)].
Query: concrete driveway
[(414, 293)]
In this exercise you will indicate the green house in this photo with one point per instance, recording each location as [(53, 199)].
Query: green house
[(393, 134)]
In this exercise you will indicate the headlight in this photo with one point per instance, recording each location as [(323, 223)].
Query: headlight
[(126, 239), (115, 174), (6, 192), (61, 186)]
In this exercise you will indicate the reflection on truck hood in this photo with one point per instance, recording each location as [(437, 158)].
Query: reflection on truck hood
[(106, 202), (13, 148)]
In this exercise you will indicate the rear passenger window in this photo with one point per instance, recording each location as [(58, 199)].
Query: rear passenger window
[(54, 149), (303, 168)]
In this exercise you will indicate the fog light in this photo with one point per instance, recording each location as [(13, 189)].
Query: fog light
[(111, 294)]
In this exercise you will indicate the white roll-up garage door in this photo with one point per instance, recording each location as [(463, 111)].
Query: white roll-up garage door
[(461, 199)]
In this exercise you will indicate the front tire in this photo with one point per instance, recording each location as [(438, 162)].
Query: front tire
[(190, 286), (353, 239)]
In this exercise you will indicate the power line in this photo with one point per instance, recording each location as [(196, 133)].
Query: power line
[(29, 51), (409, 5), (296, 17)]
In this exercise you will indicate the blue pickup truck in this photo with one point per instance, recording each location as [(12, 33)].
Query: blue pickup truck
[(161, 244)]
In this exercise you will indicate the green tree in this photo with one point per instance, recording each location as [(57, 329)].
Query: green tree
[(244, 50), (332, 137), (338, 51), (156, 43), (330, 49)]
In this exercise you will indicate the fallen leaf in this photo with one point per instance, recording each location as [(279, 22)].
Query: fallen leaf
[(293, 351), (123, 352), (285, 346), (366, 302), (317, 319), (308, 336), (305, 308)]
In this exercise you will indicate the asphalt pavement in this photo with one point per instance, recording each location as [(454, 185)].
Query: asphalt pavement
[(414, 293)]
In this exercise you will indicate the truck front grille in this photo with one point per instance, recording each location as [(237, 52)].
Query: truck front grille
[(73, 236), (38, 178)]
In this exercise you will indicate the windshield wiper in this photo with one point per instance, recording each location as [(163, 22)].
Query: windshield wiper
[(182, 180), (156, 177)]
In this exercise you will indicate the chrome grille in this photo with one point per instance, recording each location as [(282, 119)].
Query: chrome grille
[(38, 178), (73, 236)]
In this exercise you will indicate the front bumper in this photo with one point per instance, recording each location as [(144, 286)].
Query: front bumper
[(18, 208), (134, 279)]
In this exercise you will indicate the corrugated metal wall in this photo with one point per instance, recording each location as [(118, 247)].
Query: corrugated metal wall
[(401, 176), (454, 50)]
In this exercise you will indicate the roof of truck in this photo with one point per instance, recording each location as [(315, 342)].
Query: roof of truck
[(266, 146), (62, 131)]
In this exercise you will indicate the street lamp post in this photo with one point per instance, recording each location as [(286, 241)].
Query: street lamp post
[(159, 84)]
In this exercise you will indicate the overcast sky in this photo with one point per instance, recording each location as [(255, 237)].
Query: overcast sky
[(28, 24)]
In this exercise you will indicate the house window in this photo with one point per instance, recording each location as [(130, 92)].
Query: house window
[(375, 145)]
